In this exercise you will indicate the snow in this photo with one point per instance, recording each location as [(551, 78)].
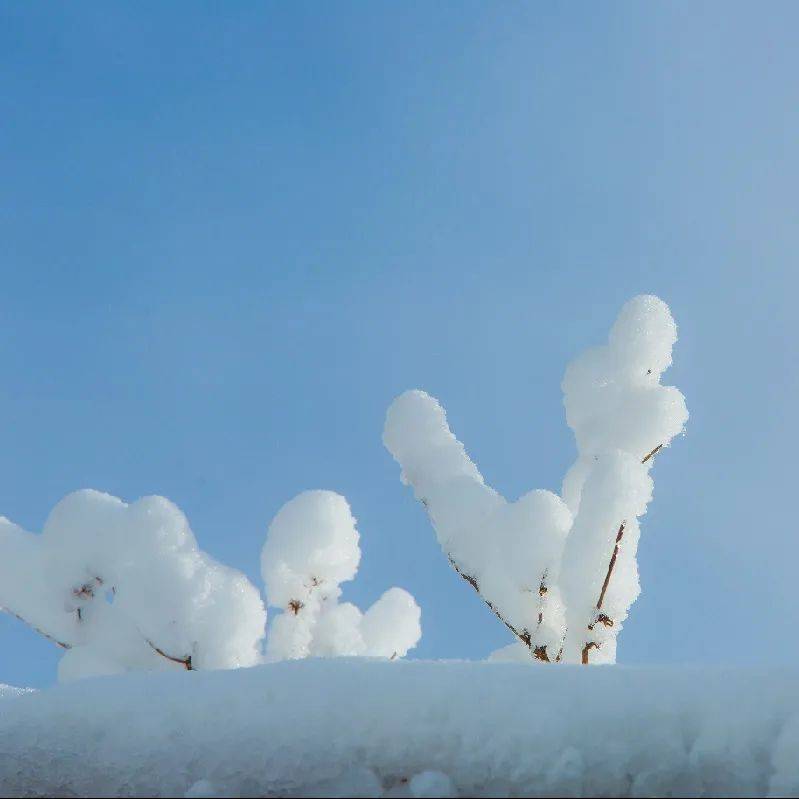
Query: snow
[(7, 691), (541, 562), (367, 727), (432, 784), (311, 548), (125, 587), (114, 583)]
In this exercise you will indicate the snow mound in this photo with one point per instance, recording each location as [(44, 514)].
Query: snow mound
[(408, 728)]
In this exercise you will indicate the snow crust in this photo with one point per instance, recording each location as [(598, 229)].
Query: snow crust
[(542, 560), (366, 727)]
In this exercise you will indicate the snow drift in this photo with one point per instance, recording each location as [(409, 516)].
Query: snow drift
[(408, 728)]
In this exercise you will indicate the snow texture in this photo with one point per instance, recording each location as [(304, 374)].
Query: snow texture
[(541, 561), (364, 727), (311, 548)]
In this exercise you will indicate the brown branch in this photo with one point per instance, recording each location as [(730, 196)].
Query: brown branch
[(611, 565), (540, 651), (523, 636), (601, 617), (586, 649), (39, 630), (653, 453), (186, 662), (542, 592)]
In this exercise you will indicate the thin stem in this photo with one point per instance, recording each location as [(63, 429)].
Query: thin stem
[(540, 651), (653, 453), (39, 630), (523, 636), (186, 662), (601, 617), (611, 565)]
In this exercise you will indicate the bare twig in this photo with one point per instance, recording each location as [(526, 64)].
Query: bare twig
[(611, 565), (586, 649), (523, 636), (540, 651), (653, 453), (542, 592), (186, 661), (39, 630), (602, 618)]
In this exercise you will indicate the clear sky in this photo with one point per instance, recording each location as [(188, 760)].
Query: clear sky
[(231, 233)]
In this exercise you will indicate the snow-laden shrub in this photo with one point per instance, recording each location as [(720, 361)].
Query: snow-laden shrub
[(311, 548), (559, 571), (125, 587)]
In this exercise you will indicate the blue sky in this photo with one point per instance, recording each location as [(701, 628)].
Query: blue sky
[(231, 233)]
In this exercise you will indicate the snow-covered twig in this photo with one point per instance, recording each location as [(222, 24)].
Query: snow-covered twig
[(617, 406), (185, 662), (523, 636), (602, 618), (312, 547), (39, 630)]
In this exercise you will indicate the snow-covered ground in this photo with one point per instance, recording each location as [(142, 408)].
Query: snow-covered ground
[(407, 728)]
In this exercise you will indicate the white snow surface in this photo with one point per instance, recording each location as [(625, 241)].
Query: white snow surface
[(361, 727), (541, 560)]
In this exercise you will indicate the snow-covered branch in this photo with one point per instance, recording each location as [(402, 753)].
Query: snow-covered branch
[(541, 562), (125, 587), (311, 548)]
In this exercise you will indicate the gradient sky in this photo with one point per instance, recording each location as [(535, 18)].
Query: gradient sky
[(231, 233)]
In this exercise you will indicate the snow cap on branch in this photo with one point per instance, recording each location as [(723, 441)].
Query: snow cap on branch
[(541, 563), (312, 542), (311, 548), (125, 586)]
